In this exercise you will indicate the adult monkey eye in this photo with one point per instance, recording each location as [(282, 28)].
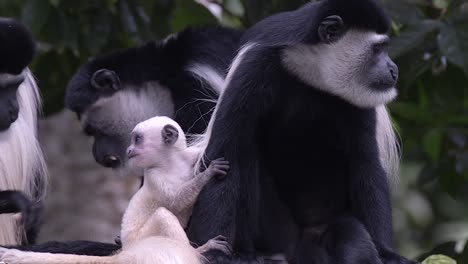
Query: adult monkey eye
[(331, 29)]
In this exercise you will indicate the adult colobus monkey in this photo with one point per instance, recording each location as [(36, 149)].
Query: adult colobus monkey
[(178, 77), (22, 165), (302, 121)]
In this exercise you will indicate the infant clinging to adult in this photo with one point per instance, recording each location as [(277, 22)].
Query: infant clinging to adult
[(153, 224)]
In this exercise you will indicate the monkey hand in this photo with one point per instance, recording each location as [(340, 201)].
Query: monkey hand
[(17, 202), (218, 167), (218, 243)]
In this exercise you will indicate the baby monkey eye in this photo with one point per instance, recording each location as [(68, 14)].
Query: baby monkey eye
[(137, 138)]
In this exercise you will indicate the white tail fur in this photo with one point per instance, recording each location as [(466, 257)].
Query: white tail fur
[(201, 142)]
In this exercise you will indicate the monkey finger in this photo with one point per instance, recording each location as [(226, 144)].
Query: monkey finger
[(220, 162), (222, 167), (220, 177), (222, 172), (224, 247), (220, 237)]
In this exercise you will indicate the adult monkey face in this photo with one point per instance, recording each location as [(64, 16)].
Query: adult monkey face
[(377, 68), (9, 107), (17, 49), (350, 62)]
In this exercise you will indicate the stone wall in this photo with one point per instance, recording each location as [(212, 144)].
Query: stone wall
[(85, 200)]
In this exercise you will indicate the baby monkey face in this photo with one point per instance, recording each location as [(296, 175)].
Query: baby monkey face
[(152, 140), (138, 151)]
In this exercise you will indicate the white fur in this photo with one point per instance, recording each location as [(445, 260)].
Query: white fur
[(151, 234), (335, 68), (389, 148), (21, 157), (125, 109), (208, 74), (201, 142)]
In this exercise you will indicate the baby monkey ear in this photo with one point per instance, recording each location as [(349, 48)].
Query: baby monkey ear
[(169, 134)]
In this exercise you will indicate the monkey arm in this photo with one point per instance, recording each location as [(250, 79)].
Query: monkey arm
[(231, 207), (369, 189), (14, 202), (188, 193)]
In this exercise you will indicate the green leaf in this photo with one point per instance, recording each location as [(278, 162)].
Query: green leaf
[(412, 37), (439, 259), (457, 7), (423, 98), (432, 143), (35, 14), (97, 31), (411, 112), (234, 7), (453, 41), (189, 13), (441, 4), (54, 3), (403, 12)]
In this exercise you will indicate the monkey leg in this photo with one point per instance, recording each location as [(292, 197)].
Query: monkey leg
[(14, 256), (345, 241), (163, 223)]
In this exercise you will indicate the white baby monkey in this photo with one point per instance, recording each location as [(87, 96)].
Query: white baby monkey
[(153, 224)]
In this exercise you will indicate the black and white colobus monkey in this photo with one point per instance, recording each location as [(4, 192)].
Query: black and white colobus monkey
[(22, 167), (175, 78), (303, 122)]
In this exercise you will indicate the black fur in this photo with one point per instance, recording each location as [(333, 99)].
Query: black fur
[(165, 62), (300, 26), (31, 212), (305, 178), (17, 47), (78, 247)]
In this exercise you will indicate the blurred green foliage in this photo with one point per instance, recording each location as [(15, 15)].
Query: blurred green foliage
[(430, 45)]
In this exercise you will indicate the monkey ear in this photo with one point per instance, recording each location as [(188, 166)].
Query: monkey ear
[(331, 29), (170, 134), (105, 80)]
